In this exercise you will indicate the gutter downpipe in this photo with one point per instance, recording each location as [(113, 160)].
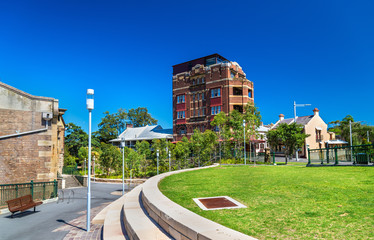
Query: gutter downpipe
[(25, 133)]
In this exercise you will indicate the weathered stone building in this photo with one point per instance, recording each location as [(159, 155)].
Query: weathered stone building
[(31, 137)]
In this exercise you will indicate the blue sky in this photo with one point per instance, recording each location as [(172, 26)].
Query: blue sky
[(317, 52)]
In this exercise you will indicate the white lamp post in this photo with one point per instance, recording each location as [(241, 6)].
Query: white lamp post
[(169, 161), (90, 107), (294, 111), (123, 165), (245, 158), (158, 153)]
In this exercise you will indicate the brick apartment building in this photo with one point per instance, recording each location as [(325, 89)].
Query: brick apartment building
[(204, 87), (31, 137)]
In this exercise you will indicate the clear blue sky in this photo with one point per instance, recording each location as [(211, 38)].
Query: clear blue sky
[(317, 52)]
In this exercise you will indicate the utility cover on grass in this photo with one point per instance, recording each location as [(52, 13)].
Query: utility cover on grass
[(216, 203)]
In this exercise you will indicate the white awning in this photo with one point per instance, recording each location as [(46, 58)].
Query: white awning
[(319, 128)]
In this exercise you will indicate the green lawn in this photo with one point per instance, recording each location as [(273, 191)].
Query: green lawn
[(293, 202)]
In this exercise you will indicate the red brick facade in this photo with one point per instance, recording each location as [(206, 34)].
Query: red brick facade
[(209, 84)]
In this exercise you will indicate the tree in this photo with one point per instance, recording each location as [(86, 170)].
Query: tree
[(161, 145), (252, 118), (208, 145), (140, 117), (219, 121), (145, 152), (290, 136), (359, 130), (111, 125), (196, 143), (75, 139), (182, 152), (110, 158)]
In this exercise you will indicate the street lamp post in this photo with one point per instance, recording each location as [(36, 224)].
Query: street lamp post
[(245, 157), (294, 111), (158, 153), (90, 107), (123, 165), (350, 137), (169, 161)]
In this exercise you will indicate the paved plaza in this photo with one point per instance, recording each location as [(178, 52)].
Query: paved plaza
[(63, 219)]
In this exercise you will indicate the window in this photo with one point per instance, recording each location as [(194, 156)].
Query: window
[(203, 80), (193, 97), (198, 81), (182, 131), (237, 91), (203, 95), (232, 75), (216, 92), (193, 82), (250, 93), (180, 99), (216, 110), (180, 115), (203, 111)]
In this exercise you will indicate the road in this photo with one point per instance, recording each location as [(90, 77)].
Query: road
[(49, 216)]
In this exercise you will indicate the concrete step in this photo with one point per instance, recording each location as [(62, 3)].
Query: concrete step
[(137, 222), (71, 181)]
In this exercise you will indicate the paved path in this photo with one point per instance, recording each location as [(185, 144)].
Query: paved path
[(64, 219)]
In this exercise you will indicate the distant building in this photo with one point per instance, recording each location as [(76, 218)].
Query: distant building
[(204, 87), (31, 137), (315, 127), (148, 133), (261, 141)]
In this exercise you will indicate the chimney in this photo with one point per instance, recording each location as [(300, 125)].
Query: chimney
[(316, 112), (129, 125), (281, 117)]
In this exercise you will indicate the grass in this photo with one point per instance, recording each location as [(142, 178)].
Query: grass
[(292, 202)]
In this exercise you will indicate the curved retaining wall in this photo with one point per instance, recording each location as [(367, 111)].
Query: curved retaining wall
[(179, 222)]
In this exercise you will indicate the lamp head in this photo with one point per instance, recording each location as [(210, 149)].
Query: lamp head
[(90, 99)]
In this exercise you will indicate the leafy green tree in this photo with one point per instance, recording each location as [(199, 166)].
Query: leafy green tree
[(290, 136), (111, 125), (161, 145), (252, 118), (182, 152), (208, 146), (140, 117), (235, 122), (75, 139), (196, 143), (69, 160), (359, 130), (110, 158), (143, 148), (219, 121)]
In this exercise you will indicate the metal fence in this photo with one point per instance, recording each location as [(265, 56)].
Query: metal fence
[(345, 155), (38, 190), (71, 170)]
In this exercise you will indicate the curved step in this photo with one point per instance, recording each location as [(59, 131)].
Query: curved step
[(113, 227), (137, 223), (179, 222)]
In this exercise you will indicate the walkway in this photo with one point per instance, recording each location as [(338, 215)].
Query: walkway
[(64, 219)]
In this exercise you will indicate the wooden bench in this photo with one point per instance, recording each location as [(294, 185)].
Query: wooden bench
[(21, 204)]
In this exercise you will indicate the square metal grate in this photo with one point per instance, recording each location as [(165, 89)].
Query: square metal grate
[(216, 203)]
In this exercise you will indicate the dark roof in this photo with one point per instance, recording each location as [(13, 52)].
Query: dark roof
[(209, 56), (299, 120)]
